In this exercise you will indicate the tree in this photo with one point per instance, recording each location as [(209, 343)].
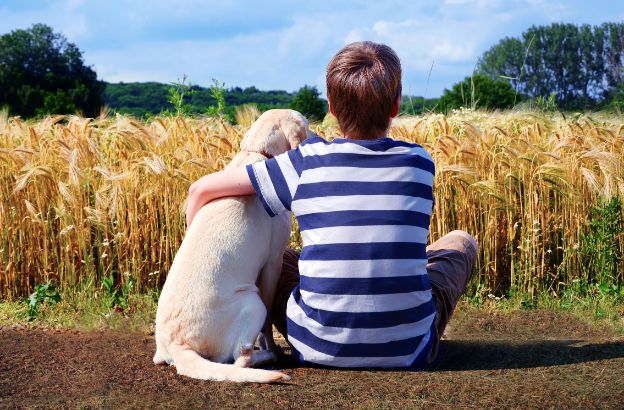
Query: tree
[(308, 102), (504, 61), (41, 73), (581, 65), (478, 91), (615, 99)]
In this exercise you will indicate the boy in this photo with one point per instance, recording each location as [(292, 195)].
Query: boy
[(365, 291)]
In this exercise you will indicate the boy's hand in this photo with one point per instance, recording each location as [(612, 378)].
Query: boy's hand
[(196, 198), (229, 182)]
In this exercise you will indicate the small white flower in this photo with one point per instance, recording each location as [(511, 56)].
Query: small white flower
[(64, 231)]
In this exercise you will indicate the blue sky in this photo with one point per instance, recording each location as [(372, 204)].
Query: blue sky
[(281, 44)]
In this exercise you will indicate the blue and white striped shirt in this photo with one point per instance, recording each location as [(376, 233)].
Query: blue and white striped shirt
[(363, 208)]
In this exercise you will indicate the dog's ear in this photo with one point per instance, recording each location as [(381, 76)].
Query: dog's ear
[(275, 132), (266, 134), (295, 129), (276, 142)]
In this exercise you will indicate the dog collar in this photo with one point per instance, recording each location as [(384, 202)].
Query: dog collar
[(263, 153)]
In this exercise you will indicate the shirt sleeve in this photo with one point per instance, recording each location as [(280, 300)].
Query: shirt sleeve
[(275, 180)]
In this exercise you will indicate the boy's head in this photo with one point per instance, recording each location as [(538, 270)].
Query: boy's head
[(363, 87)]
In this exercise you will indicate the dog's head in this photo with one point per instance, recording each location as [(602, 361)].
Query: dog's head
[(275, 132)]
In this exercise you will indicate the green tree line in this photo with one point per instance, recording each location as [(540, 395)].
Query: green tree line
[(151, 98)]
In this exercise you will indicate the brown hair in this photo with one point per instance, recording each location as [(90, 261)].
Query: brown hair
[(363, 82)]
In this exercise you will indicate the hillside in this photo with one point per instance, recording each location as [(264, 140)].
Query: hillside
[(151, 98)]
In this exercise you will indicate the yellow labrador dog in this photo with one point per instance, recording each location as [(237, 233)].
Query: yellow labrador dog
[(209, 311)]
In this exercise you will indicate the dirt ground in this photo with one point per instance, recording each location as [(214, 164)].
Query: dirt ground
[(528, 359)]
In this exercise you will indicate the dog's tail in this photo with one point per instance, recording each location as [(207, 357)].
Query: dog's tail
[(189, 363)]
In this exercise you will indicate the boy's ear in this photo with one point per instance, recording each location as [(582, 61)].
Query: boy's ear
[(396, 107), (329, 107)]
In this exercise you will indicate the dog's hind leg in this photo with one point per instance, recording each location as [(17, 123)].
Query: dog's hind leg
[(269, 276), (253, 358), (250, 321)]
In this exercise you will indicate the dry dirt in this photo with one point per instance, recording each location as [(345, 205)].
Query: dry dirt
[(529, 359)]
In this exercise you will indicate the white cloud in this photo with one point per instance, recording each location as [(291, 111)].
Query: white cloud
[(267, 60), (304, 39), (418, 42), (354, 36), (554, 11), (503, 17), (63, 16), (74, 4), (281, 44), (78, 29), (473, 3)]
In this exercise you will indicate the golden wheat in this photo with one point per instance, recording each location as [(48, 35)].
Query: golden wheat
[(82, 199)]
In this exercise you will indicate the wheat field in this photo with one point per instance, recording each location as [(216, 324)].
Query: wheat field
[(83, 199)]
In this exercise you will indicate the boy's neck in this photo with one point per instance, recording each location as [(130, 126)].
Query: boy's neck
[(351, 137)]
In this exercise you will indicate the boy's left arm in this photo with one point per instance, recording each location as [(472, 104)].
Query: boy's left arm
[(229, 182)]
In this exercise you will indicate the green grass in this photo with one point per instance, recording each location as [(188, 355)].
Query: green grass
[(90, 309), (86, 309), (595, 306)]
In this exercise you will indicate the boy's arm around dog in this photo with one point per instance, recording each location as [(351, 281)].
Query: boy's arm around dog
[(229, 182)]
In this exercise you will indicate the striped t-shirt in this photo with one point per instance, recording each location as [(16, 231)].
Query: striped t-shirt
[(363, 208)]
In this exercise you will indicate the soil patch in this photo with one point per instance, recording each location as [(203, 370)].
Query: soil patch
[(532, 359)]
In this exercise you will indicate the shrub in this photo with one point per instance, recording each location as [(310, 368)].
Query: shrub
[(46, 293), (308, 103), (478, 92)]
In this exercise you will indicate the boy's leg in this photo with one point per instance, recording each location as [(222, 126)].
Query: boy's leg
[(286, 283), (449, 266)]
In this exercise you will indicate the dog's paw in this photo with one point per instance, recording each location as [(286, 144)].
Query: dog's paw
[(246, 350), (262, 358)]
